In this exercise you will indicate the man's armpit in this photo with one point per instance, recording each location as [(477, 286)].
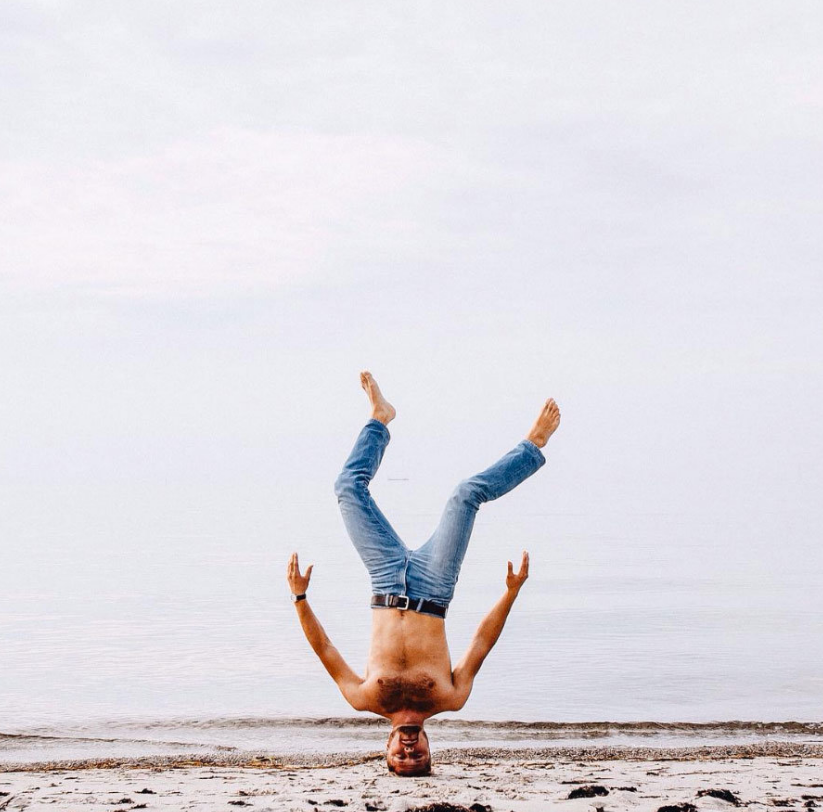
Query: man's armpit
[(353, 693)]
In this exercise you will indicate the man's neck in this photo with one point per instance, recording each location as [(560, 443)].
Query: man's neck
[(407, 717)]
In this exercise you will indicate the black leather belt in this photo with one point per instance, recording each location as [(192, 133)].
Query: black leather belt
[(405, 602)]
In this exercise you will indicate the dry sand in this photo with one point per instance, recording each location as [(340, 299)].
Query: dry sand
[(778, 776)]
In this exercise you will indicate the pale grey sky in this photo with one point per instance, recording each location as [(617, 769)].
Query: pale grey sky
[(213, 215)]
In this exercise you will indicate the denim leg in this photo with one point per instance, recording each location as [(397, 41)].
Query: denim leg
[(380, 548), (434, 568)]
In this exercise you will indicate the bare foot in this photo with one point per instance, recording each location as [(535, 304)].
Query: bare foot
[(381, 409), (547, 421)]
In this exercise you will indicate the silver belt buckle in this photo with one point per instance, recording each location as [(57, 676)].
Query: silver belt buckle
[(402, 598)]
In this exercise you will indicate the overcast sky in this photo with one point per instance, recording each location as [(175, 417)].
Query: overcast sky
[(213, 215)]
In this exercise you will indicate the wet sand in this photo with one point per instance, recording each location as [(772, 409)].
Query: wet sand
[(764, 776)]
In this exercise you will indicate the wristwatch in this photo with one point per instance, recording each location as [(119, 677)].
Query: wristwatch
[(296, 598)]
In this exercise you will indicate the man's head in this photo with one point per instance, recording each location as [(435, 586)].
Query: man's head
[(407, 751)]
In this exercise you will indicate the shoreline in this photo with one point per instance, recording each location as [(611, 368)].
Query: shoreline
[(467, 755)]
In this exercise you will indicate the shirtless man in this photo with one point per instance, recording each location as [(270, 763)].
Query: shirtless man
[(409, 676)]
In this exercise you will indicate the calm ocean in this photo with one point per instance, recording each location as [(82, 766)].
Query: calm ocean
[(652, 617)]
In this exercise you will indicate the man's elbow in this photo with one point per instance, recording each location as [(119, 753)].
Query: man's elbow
[(483, 643)]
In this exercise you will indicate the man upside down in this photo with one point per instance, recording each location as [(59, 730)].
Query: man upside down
[(409, 676)]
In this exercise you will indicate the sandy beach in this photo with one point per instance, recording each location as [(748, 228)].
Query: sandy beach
[(707, 778)]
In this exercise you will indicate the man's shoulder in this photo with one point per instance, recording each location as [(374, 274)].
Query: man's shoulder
[(462, 683)]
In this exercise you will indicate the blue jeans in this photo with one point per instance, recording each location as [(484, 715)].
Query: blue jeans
[(431, 571)]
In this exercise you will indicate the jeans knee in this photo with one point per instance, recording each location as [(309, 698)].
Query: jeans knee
[(347, 485), (468, 492)]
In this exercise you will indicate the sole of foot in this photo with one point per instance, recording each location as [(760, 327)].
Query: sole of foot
[(382, 410), (546, 424)]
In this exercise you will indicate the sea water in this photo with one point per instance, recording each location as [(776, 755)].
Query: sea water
[(627, 618)]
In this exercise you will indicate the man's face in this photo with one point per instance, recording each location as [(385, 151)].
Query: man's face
[(408, 750)]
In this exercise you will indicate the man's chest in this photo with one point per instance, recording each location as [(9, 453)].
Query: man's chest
[(412, 690)]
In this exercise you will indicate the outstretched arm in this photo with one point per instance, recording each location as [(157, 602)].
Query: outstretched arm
[(487, 634), (347, 681)]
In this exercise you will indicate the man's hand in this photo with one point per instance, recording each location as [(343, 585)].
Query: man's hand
[(298, 583), (515, 580)]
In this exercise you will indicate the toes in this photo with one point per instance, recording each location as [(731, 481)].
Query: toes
[(551, 412)]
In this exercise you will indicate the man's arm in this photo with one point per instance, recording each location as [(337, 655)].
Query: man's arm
[(347, 681), (487, 634)]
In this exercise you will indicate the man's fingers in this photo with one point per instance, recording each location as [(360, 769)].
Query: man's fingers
[(524, 564)]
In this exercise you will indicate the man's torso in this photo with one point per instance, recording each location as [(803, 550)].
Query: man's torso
[(409, 664)]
